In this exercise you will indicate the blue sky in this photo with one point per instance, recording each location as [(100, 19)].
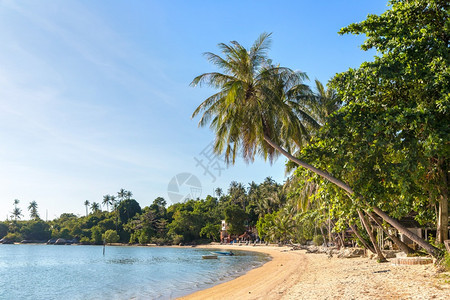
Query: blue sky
[(95, 95)]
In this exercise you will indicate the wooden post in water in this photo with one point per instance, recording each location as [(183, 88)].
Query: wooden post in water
[(104, 245)]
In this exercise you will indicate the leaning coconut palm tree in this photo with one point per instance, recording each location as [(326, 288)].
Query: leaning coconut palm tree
[(258, 107), (258, 110), (257, 103)]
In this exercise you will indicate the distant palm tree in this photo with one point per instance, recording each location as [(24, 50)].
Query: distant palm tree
[(95, 207), (17, 212), (218, 192), (121, 194), (107, 201), (128, 195), (33, 210), (86, 203), (114, 202), (325, 102)]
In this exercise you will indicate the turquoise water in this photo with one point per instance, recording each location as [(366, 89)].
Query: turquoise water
[(82, 272)]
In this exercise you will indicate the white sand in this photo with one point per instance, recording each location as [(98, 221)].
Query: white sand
[(296, 275)]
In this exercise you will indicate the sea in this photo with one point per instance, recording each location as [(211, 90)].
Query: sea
[(122, 272)]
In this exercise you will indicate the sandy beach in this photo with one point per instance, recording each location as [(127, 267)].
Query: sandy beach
[(297, 275)]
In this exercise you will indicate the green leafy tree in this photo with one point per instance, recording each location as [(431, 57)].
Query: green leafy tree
[(398, 104), (211, 231), (127, 209), (111, 236), (36, 230), (235, 217), (3, 229), (96, 235)]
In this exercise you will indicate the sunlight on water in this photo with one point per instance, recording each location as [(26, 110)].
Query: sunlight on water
[(82, 272)]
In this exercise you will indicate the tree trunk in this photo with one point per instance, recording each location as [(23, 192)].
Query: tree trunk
[(442, 220), (321, 173), (442, 224), (429, 248), (368, 228), (435, 252), (324, 236), (405, 248), (338, 238), (363, 241)]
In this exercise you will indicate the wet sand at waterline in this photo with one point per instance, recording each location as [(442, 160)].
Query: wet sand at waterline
[(297, 275)]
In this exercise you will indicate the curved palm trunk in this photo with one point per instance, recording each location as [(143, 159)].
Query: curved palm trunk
[(421, 242), (368, 228), (442, 224), (435, 252), (405, 248), (321, 173), (363, 241)]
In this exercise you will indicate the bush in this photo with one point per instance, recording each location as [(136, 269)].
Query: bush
[(446, 261), (15, 237), (111, 236), (96, 235), (318, 240), (143, 238), (85, 240), (177, 239)]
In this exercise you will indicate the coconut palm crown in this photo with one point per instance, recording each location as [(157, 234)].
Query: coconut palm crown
[(256, 101)]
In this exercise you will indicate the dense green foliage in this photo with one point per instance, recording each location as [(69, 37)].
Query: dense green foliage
[(193, 221), (383, 145)]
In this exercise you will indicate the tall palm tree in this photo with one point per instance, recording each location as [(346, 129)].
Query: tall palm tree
[(86, 203), (128, 195), (33, 210), (258, 109), (95, 207), (107, 201), (257, 103), (218, 192), (114, 202), (17, 212)]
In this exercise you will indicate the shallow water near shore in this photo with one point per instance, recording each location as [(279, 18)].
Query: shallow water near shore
[(82, 272)]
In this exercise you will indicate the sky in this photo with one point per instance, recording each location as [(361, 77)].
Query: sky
[(95, 95)]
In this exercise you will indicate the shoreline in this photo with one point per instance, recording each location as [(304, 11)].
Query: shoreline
[(256, 284), (297, 275)]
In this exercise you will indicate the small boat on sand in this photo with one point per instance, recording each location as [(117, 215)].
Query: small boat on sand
[(228, 253), (209, 256)]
